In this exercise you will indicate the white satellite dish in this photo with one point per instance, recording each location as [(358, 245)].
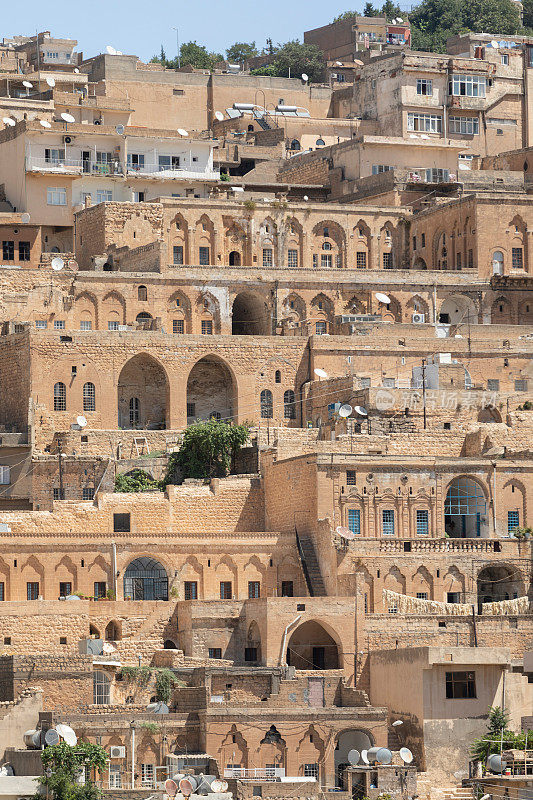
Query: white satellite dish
[(305, 76), (345, 410), (119, 129), (57, 264), (66, 733), (8, 121), (27, 84), (76, 70), (51, 82), (67, 117), (44, 123), (353, 757), (25, 218), (81, 421), (183, 132), (346, 533), (364, 757), (321, 373), (400, 20), (397, 723), (110, 50), (361, 411), (306, 198), (338, 63), (219, 115), (406, 755), (383, 298), (495, 44)]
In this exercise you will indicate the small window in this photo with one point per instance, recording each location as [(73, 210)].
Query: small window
[(60, 397), (65, 589), (207, 327), (88, 493), (142, 293), (86, 325), (354, 520), (513, 522), (191, 590), (215, 652), (59, 324), (24, 251), (422, 522), (267, 257), (505, 59), (177, 252), (121, 523), (493, 385), (292, 259), (8, 250), (360, 260), (321, 328), (191, 409), (277, 376), (5, 475), (41, 324), (100, 589), (424, 87), (517, 258), (266, 404), (112, 325), (204, 256), (422, 595), (56, 196), (178, 326), (460, 685), (351, 477), (520, 385), (101, 689), (250, 653), (387, 261), (320, 143), (387, 519), (289, 404), (226, 590), (32, 590)]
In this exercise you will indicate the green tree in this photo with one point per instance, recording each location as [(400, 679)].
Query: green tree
[(208, 450), (390, 10), (528, 13), (241, 51), (497, 732), (434, 21), (62, 765), (294, 58), (136, 481), (370, 10), (160, 59)]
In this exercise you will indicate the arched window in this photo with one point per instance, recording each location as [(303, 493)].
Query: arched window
[(267, 408), (250, 128), (60, 397), (289, 407), (326, 246), (295, 145), (101, 689), (89, 397), (320, 143), (135, 412), (144, 316), (145, 579), (277, 376), (142, 293), (497, 263)]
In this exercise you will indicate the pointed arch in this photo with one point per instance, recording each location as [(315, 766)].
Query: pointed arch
[(211, 390), (205, 240), (143, 391), (207, 309), (328, 245), (113, 309), (294, 243), (86, 311), (179, 240), (362, 237), (501, 311)]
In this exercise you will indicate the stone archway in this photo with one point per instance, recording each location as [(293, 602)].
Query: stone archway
[(465, 509), (143, 394), (250, 316), (312, 647), (498, 582), (349, 740), (211, 391)]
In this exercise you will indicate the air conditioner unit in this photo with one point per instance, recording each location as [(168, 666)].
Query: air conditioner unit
[(418, 319), (115, 751)]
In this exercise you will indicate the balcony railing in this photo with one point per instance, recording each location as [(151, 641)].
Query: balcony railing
[(258, 773), (156, 170), (73, 166)]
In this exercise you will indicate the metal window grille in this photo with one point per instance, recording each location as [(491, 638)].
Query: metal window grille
[(191, 590), (60, 397), (289, 406), (464, 497), (254, 589), (387, 520), (354, 520), (422, 522), (178, 326), (207, 327), (513, 521), (292, 259), (266, 403), (518, 258), (89, 397)]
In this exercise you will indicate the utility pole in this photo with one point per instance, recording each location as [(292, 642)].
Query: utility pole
[(60, 465), (178, 45), (424, 391)]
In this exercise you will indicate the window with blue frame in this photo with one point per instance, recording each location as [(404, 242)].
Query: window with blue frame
[(513, 521), (354, 520), (387, 519), (422, 522)]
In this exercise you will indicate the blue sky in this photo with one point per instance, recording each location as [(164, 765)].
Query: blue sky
[(140, 27)]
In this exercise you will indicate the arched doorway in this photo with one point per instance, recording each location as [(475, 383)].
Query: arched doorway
[(249, 316), (113, 631), (497, 263), (346, 741), (145, 579), (312, 647), (235, 258), (143, 394), (465, 510), (211, 391), (498, 582)]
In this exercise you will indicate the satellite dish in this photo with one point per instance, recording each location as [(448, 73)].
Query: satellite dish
[(183, 132), (397, 723), (361, 411), (110, 50), (345, 410), (217, 786), (81, 421), (51, 737), (496, 764), (383, 755), (157, 708), (338, 63), (171, 787), (44, 123), (8, 121), (346, 533), (224, 786), (51, 82), (67, 117), (219, 115), (237, 189), (353, 757), (27, 84), (305, 76), (25, 218), (364, 757), (120, 129), (306, 198), (188, 785), (424, 136), (66, 733), (76, 70), (495, 44), (383, 298), (57, 264), (321, 373), (406, 755)]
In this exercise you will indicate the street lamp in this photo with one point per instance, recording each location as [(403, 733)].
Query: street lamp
[(178, 45)]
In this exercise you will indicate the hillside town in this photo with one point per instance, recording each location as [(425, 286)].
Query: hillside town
[(266, 417)]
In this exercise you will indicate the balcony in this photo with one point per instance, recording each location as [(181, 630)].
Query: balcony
[(73, 166), (155, 170), (258, 773)]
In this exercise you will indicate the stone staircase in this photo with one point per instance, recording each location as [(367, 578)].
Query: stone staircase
[(310, 566), (149, 636), (428, 790)]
